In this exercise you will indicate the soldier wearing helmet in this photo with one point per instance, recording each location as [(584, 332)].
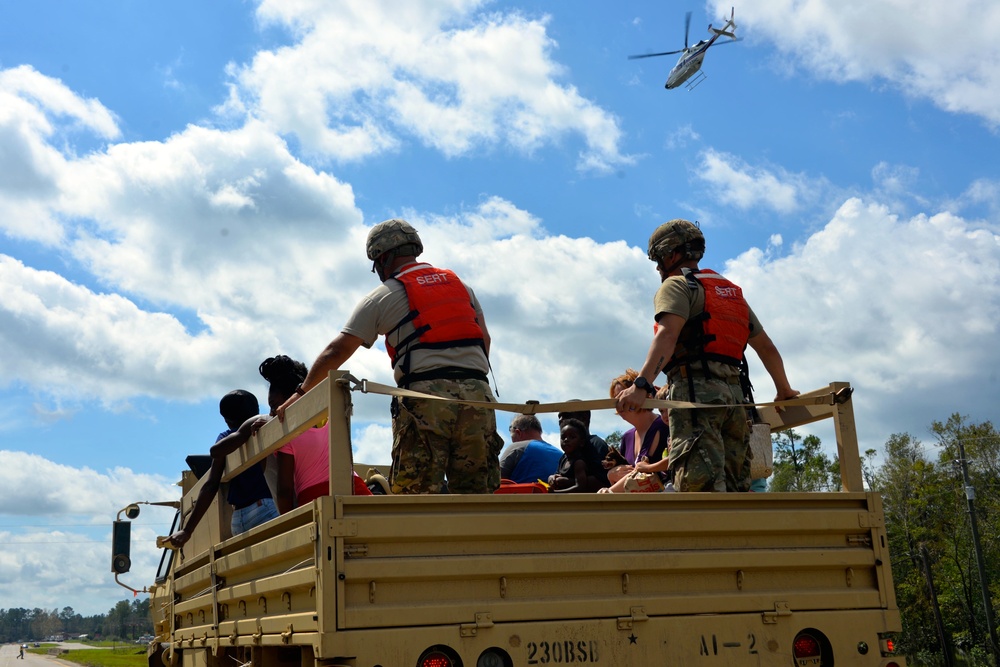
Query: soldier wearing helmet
[(438, 343), (703, 325)]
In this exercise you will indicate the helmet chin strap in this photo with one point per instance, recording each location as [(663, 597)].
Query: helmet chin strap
[(667, 270), (380, 264)]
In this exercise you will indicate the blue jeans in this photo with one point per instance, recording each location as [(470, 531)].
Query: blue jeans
[(253, 515)]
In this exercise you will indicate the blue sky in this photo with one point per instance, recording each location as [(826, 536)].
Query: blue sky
[(185, 190)]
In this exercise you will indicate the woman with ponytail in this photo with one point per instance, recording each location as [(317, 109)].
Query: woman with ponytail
[(303, 463)]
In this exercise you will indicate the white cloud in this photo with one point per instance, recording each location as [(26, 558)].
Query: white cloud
[(681, 137), (744, 186), (363, 77), (907, 310), (68, 340), (57, 531), (210, 242), (983, 192), (169, 218), (373, 444), (32, 106), (894, 179), (49, 569), (26, 83), (944, 52), (206, 243), (31, 485)]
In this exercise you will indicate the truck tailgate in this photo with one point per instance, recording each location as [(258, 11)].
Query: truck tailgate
[(437, 560)]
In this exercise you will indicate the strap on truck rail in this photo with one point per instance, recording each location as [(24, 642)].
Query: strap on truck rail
[(838, 397)]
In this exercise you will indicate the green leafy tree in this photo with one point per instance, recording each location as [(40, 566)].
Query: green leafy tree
[(70, 620), (981, 444), (117, 624), (915, 499), (614, 439), (801, 465), (14, 624), (45, 624), (930, 539)]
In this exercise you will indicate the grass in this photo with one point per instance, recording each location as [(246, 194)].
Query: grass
[(123, 656)]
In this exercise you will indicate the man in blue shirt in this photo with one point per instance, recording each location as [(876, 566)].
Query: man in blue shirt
[(528, 458)]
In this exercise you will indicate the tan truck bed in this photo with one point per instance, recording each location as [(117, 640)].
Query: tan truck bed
[(645, 579)]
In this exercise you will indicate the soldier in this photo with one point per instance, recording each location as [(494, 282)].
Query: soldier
[(438, 344), (703, 325)]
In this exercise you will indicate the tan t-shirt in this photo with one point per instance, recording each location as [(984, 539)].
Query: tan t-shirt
[(386, 306), (676, 298)]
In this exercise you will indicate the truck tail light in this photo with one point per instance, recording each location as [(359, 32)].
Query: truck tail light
[(435, 659), (439, 656), (806, 649)]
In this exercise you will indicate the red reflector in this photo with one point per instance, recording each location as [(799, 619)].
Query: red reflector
[(436, 660), (805, 646), (892, 664), (890, 646)]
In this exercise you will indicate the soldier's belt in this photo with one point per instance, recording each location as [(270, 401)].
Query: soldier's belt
[(683, 374)]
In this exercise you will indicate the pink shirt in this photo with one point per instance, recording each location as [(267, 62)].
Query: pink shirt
[(312, 457)]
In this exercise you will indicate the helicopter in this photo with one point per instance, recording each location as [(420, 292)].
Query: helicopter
[(692, 56)]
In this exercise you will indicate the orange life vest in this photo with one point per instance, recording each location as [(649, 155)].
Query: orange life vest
[(721, 331), (440, 310)]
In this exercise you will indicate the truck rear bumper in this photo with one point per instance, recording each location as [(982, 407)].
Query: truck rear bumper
[(853, 638)]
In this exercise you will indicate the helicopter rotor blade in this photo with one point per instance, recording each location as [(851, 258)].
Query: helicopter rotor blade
[(651, 55), (728, 41), (687, 28)]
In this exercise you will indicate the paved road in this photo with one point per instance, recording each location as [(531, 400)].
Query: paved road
[(9, 653)]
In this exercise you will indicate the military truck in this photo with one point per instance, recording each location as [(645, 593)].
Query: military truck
[(790, 579)]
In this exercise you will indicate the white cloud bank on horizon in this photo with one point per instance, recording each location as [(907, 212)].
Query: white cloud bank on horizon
[(56, 555), (944, 52)]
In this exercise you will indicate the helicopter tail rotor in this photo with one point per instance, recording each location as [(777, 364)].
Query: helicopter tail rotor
[(728, 30)]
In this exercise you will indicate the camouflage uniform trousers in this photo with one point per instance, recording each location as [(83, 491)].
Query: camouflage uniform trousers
[(434, 440), (709, 448)]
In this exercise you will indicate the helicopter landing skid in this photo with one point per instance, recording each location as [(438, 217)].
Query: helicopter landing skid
[(695, 80)]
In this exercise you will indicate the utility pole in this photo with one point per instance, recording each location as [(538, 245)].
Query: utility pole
[(970, 497), (938, 622)]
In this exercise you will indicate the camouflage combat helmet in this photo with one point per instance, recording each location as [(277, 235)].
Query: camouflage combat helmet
[(674, 234), (390, 235)]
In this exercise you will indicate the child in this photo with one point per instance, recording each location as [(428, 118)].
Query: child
[(580, 469)]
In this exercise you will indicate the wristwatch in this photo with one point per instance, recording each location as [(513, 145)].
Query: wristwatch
[(643, 383), (300, 391)]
